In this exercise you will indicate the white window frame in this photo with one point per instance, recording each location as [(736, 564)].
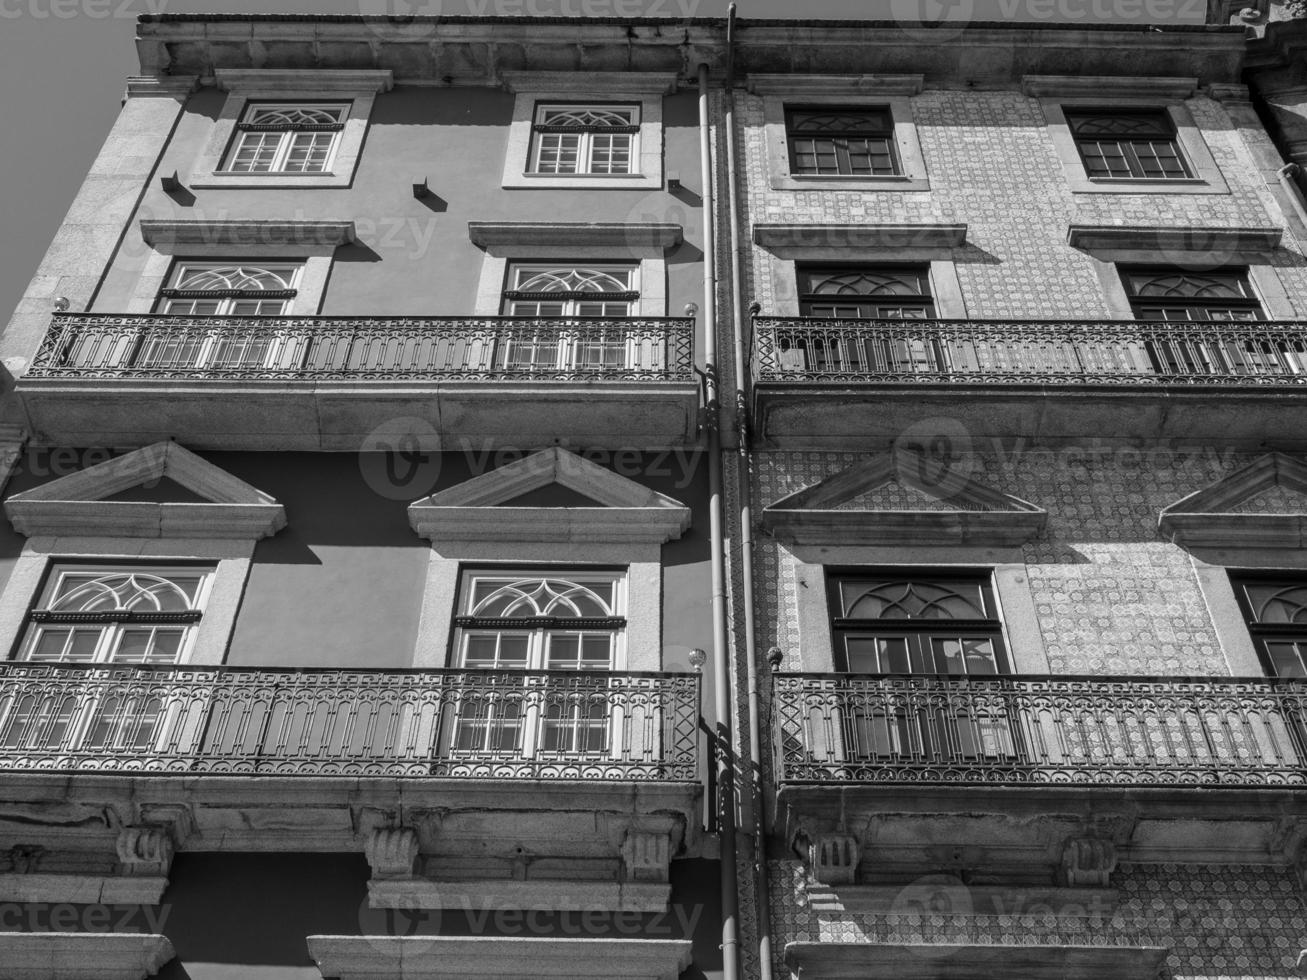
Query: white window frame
[(892, 92), (585, 150), (111, 628), (358, 88), (285, 138), (536, 90), (530, 725), (86, 714), (182, 266)]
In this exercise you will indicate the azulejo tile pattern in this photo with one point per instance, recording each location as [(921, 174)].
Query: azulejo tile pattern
[(1228, 923)]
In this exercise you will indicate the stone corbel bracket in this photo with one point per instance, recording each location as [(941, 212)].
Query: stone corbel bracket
[(1087, 861), (136, 873)]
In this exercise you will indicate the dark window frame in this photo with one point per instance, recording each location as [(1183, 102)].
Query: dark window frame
[(917, 631), (840, 141), (1264, 633), (1128, 148)]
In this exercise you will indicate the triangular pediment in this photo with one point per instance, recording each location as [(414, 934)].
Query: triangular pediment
[(489, 507), (80, 503), (902, 497), (1263, 505)]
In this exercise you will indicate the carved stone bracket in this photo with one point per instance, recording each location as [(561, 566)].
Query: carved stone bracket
[(145, 851), (646, 856), (392, 853), (833, 858), (1087, 861)]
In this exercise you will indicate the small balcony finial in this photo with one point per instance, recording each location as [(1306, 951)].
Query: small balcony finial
[(691, 309), (775, 657), (698, 658), (61, 304)]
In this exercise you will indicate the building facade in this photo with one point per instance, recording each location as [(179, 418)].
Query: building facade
[(510, 498)]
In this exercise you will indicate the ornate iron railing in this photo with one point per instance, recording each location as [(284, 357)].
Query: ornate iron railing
[(1258, 353), (460, 723), (178, 348), (1121, 731)]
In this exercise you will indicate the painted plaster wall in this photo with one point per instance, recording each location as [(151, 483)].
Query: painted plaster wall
[(413, 257), (342, 584), (1231, 923)]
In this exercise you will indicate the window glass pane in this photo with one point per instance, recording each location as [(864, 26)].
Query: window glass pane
[(1286, 658), (912, 600)]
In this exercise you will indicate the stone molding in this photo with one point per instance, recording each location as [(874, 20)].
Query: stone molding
[(160, 86), (1173, 239), (1205, 517), (853, 85), (1107, 87), (626, 511), (304, 81), (886, 236), (946, 961), (74, 505), (587, 83), (422, 957), (982, 516), (498, 237), (551, 894), (168, 235), (948, 895), (82, 955)]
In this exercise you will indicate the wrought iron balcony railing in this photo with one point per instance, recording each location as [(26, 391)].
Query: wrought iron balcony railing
[(1117, 731), (587, 725), (180, 348), (995, 352)]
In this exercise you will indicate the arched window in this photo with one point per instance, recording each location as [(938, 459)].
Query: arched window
[(290, 139), (585, 139)]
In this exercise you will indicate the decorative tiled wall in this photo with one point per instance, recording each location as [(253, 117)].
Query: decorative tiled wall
[(1227, 923)]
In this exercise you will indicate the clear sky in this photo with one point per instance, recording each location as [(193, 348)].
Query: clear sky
[(63, 65)]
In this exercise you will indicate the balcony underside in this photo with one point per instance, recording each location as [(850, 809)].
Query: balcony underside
[(341, 416), (872, 416), (1018, 832), (488, 817)]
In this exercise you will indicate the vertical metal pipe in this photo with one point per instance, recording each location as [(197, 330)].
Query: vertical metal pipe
[(723, 749), (743, 483)]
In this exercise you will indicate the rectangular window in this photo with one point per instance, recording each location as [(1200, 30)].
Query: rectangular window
[(593, 140), (887, 292), (1275, 609), (920, 623), (841, 141), (553, 295), (533, 621), (1128, 144), (286, 138), (104, 615), (1167, 293)]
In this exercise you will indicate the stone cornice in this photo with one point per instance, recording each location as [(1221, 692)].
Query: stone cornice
[(420, 957), (162, 233), (798, 85), (1210, 517), (160, 86), (938, 961), (297, 81), (475, 50), (1107, 87), (82, 955), (888, 236), (1173, 239), (494, 235), (587, 83)]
